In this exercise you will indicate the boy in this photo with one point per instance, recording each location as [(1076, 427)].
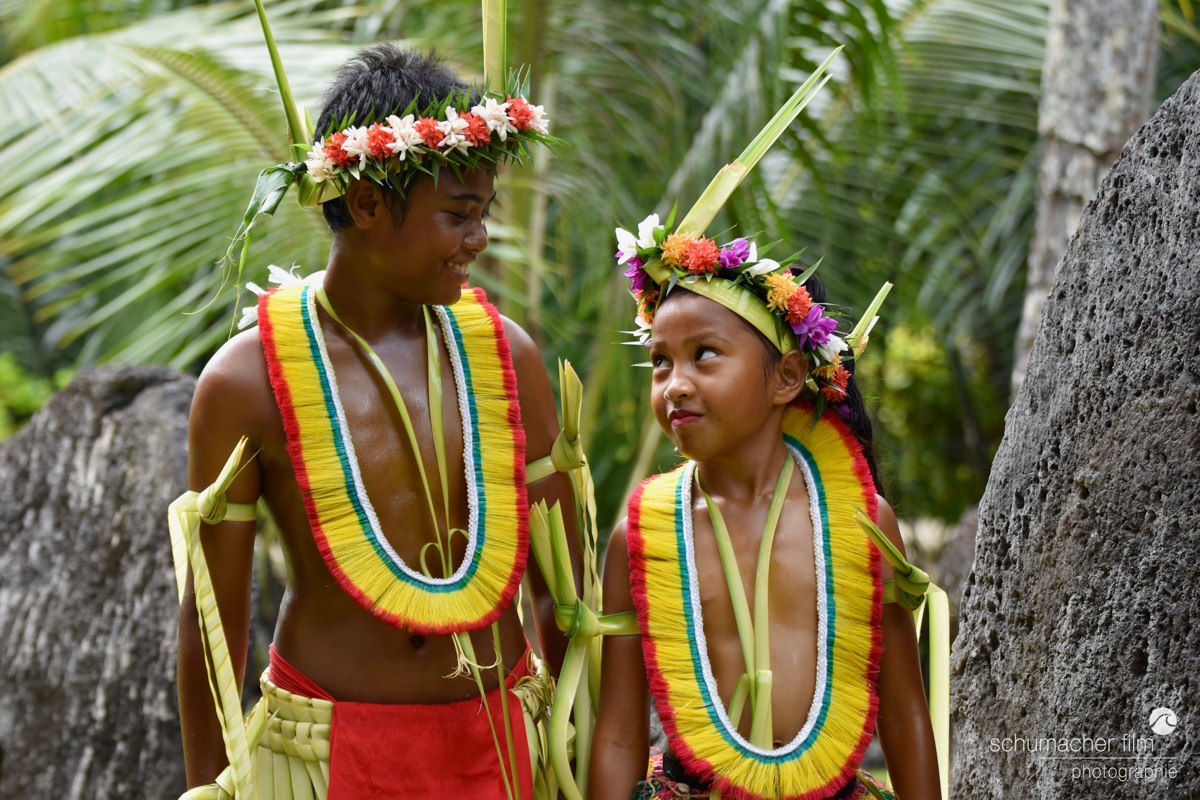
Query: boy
[(781, 703), (389, 444)]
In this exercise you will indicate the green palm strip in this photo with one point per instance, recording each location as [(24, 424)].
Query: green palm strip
[(464, 642), (722, 186), (508, 732), (754, 635), (495, 44), (297, 132)]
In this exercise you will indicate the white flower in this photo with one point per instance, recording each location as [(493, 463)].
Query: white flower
[(540, 122), (763, 267), (835, 345), (404, 135), (626, 244), (320, 167), (249, 317), (496, 116), (356, 144), (646, 228), (452, 128), (753, 256)]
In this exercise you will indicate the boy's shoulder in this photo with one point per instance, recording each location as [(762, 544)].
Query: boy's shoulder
[(235, 386)]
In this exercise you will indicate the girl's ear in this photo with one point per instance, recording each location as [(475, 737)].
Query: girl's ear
[(790, 373)]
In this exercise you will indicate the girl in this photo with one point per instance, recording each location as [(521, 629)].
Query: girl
[(764, 640)]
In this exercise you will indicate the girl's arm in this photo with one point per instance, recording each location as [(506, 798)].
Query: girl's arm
[(903, 722), (621, 743)]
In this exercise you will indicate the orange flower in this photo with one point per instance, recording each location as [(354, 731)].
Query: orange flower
[(798, 305), (520, 113), (836, 389), (378, 139), (676, 247), (702, 256), (780, 289), (427, 128), (335, 153), (477, 132)]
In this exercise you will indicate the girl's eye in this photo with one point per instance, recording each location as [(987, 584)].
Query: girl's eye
[(658, 361), (705, 353), (460, 217)]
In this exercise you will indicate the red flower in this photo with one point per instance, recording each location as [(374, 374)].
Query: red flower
[(477, 132), (701, 257), (335, 153), (378, 139), (520, 112), (427, 128), (836, 389), (799, 304)]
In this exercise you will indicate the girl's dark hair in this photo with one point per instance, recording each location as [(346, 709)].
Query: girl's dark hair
[(852, 410), (378, 81)]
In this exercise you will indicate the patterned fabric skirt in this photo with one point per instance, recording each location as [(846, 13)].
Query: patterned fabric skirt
[(673, 783)]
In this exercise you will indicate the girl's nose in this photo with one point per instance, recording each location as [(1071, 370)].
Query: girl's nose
[(678, 387), (476, 240)]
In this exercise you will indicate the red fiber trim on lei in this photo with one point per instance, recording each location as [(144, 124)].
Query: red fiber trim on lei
[(635, 544), (291, 427), (518, 431)]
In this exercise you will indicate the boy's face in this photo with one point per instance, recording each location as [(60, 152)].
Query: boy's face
[(427, 257), (710, 392)]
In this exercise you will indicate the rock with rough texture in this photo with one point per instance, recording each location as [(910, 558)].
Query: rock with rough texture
[(88, 613), (1081, 619)]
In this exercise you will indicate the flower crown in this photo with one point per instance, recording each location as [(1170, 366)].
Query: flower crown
[(762, 291), (451, 132)]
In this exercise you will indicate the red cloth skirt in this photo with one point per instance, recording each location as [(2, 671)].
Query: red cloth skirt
[(444, 750)]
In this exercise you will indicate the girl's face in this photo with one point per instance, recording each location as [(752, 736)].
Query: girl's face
[(710, 392), (427, 257)]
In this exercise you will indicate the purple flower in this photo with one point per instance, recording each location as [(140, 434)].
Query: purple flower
[(734, 253), (815, 328), (637, 275)]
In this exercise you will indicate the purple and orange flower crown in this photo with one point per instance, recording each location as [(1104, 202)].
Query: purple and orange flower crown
[(454, 132), (763, 291)]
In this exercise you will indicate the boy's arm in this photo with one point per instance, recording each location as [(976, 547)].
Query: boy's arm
[(539, 416), (222, 412), (621, 742), (903, 721)]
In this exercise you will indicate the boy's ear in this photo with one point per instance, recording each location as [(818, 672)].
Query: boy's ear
[(790, 372), (364, 203)]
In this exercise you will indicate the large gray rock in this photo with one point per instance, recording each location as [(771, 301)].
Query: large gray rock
[(1082, 613), (88, 613)]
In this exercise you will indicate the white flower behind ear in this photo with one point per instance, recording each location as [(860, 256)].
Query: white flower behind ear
[(835, 345), (626, 244)]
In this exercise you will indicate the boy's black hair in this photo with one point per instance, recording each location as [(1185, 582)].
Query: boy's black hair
[(378, 81), (852, 410)]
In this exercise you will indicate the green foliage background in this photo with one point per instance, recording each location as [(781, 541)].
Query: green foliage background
[(135, 130)]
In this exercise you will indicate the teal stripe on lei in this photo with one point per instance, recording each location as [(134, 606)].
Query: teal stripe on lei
[(348, 474)]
